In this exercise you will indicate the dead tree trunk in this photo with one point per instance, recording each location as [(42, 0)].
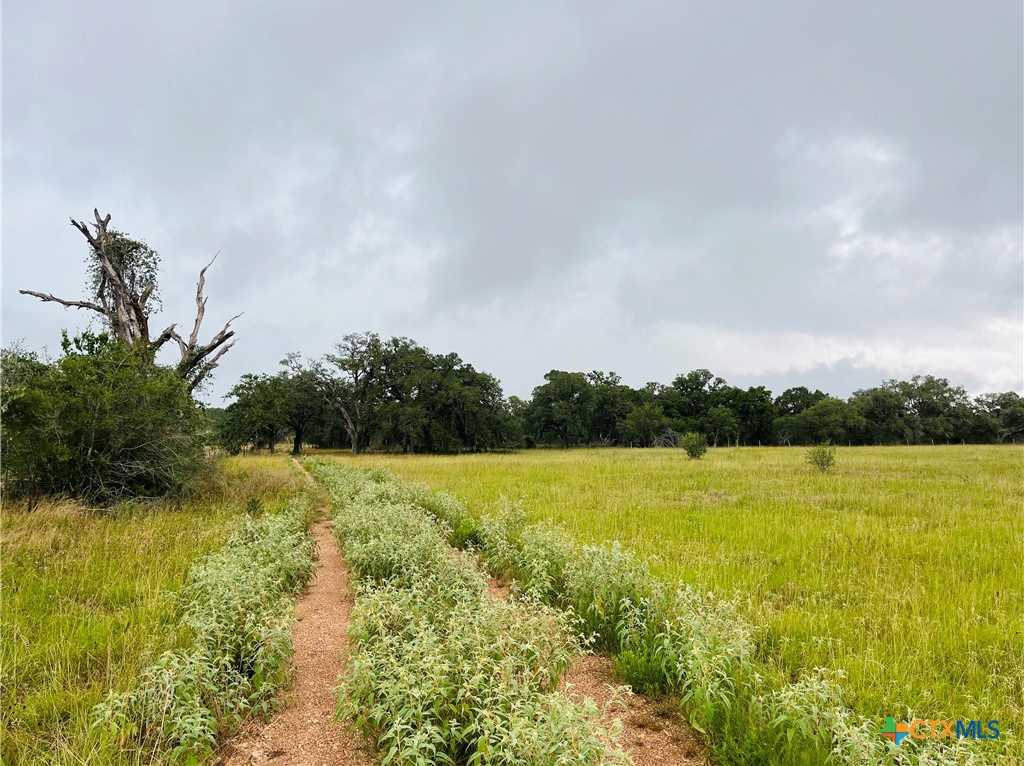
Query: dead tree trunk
[(124, 309)]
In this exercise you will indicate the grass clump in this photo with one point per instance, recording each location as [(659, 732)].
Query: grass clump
[(443, 673), (236, 605)]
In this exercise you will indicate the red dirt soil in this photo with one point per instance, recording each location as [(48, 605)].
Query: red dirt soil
[(653, 732)]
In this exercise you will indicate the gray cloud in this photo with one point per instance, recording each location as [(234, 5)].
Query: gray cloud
[(777, 191)]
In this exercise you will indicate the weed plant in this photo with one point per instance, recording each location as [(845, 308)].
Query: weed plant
[(237, 603), (443, 673)]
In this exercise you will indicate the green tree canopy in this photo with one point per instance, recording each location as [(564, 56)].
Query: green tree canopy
[(101, 422)]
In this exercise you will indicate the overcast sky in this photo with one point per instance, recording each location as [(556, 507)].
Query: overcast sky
[(813, 193)]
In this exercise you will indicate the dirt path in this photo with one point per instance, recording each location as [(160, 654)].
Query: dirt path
[(306, 732), (653, 731)]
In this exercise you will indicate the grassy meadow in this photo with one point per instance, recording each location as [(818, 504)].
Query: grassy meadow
[(87, 603), (903, 568)]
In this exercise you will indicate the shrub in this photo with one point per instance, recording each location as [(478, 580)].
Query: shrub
[(695, 445), (822, 456), (102, 422)]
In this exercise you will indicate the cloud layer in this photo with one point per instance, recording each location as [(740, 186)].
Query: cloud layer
[(796, 193)]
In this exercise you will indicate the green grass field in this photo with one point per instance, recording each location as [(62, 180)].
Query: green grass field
[(904, 568), (86, 604)]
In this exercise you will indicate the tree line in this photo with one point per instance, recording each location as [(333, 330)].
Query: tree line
[(394, 394), (573, 408), (389, 394)]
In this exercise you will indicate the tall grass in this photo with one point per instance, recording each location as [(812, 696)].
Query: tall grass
[(87, 605), (237, 606), (826, 577)]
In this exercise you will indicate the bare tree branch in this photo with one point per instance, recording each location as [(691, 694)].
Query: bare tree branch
[(196, 354), (195, 364), (70, 304), (182, 345), (200, 302), (162, 338), (216, 357), (205, 368), (85, 231)]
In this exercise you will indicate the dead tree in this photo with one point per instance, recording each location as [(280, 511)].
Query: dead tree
[(123, 306)]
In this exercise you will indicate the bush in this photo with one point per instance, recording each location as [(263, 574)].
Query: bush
[(695, 445), (822, 456), (103, 422)]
